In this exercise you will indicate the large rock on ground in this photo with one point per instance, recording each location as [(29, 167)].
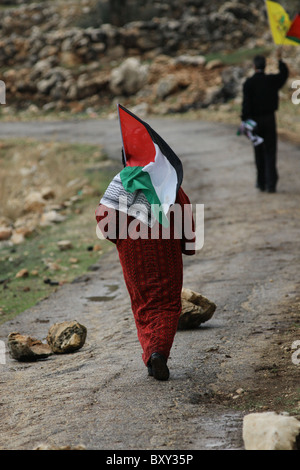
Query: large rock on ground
[(271, 431), (25, 348), (129, 78), (53, 447), (66, 337), (196, 309)]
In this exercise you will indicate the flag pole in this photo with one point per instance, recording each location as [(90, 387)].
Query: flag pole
[(266, 7), (124, 153)]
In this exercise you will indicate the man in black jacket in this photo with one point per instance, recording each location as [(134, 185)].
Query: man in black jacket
[(260, 102)]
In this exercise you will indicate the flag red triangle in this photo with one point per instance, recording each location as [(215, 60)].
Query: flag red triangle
[(138, 145), (294, 31)]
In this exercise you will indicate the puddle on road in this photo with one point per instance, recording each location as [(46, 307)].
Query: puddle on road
[(221, 432), (105, 298)]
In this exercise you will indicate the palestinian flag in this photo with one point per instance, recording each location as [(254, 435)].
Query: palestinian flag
[(151, 165)]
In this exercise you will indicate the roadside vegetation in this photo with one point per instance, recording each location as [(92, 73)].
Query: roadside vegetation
[(78, 174)]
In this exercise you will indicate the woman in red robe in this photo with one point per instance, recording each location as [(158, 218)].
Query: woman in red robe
[(153, 273)]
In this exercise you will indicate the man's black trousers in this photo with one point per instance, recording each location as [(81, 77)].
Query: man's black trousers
[(266, 153)]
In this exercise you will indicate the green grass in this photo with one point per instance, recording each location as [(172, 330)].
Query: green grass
[(43, 259), (39, 254), (239, 56), (255, 403)]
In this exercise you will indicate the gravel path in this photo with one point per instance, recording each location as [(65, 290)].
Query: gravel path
[(101, 396)]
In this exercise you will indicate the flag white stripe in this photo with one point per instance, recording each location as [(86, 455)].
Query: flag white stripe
[(164, 179)]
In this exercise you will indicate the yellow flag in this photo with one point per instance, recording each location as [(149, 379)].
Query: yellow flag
[(280, 23)]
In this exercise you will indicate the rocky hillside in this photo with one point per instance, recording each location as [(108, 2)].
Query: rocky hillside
[(79, 56)]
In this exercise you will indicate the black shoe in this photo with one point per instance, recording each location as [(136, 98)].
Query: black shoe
[(260, 187), (271, 190), (158, 366)]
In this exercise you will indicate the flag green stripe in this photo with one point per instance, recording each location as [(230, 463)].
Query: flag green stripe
[(134, 178)]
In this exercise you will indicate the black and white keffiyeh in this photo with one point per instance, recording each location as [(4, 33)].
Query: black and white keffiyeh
[(133, 204)]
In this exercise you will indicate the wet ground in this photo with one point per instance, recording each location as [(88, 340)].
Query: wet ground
[(239, 361)]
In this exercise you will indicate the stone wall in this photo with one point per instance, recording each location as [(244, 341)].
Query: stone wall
[(47, 60)]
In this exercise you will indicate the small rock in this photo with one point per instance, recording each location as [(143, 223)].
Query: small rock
[(17, 238), (52, 447), (48, 193), (129, 77), (66, 337), (270, 431), (166, 86), (141, 109), (196, 309), (52, 217), (51, 282), (34, 202), (97, 248), (64, 245), (24, 348), (22, 273), (53, 266), (5, 233), (190, 60), (212, 64), (26, 225)]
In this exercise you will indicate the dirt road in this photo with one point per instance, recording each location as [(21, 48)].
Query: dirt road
[(101, 396)]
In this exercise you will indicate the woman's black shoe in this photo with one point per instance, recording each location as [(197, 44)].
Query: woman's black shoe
[(159, 368)]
